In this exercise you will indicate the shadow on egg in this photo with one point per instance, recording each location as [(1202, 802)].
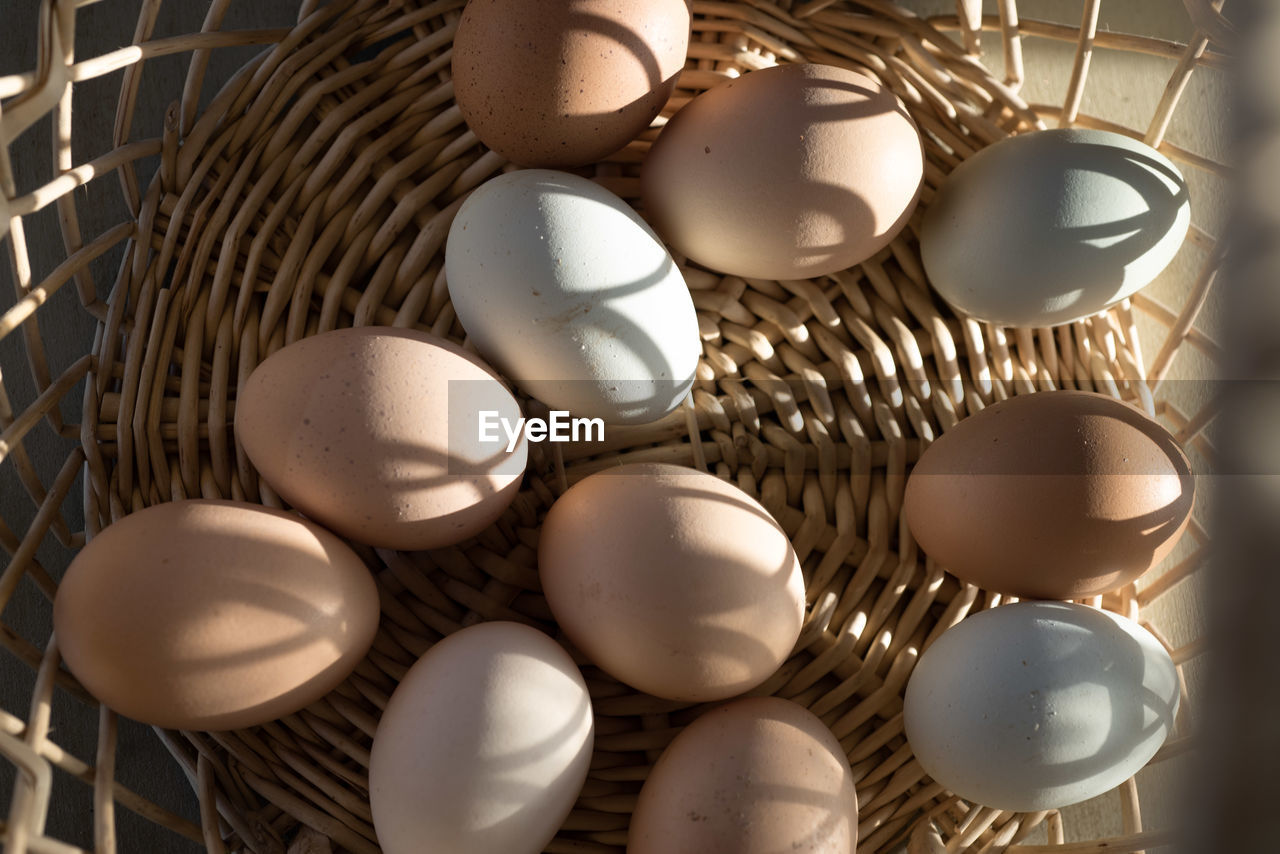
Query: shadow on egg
[(748, 776), (1084, 225), (1040, 705), (634, 45), (500, 783), (207, 637), (595, 325), (483, 746), (643, 578), (421, 476), (1134, 715), (833, 808), (601, 75), (1107, 552), (737, 656), (781, 223), (1103, 251), (1054, 495)]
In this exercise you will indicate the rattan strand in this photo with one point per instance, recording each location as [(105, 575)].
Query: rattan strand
[(316, 190)]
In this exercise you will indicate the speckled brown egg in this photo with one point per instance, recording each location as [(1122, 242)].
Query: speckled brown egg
[(374, 433), (760, 775), (672, 580), (560, 83), (1053, 495), (789, 172), (213, 615)]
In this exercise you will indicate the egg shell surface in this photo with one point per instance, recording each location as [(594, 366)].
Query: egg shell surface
[(1051, 495), (373, 432), (559, 83), (672, 580), (1039, 705), (213, 615), (788, 172), (1052, 226), (757, 775), (483, 747), (564, 289)]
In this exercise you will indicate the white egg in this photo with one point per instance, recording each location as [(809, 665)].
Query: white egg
[(1050, 227), (563, 288), (1039, 705), (483, 747)]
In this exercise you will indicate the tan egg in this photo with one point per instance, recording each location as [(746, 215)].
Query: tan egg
[(1053, 495), (213, 615), (789, 172), (672, 580), (755, 776), (374, 433), (559, 83)]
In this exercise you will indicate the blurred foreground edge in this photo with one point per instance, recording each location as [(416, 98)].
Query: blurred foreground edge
[(1235, 792)]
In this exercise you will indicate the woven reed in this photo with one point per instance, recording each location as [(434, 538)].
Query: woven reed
[(316, 189)]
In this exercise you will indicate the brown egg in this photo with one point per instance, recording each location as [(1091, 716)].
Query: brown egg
[(789, 172), (672, 580), (212, 615), (373, 432), (1054, 495), (756, 776), (559, 83)]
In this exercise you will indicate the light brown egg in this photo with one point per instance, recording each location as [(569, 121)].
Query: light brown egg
[(789, 172), (755, 776), (672, 580), (212, 615), (373, 432), (1053, 495), (560, 83)]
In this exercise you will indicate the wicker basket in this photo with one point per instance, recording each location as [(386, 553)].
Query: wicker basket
[(315, 189)]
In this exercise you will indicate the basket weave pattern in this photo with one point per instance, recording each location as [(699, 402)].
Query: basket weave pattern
[(315, 190)]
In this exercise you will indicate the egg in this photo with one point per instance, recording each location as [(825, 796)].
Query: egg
[(566, 82), (755, 776), (213, 615), (375, 433), (483, 747), (789, 172), (563, 288), (1052, 226), (673, 581), (1039, 705), (1052, 495)]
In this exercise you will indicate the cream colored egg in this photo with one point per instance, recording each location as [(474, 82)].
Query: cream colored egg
[(483, 747)]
